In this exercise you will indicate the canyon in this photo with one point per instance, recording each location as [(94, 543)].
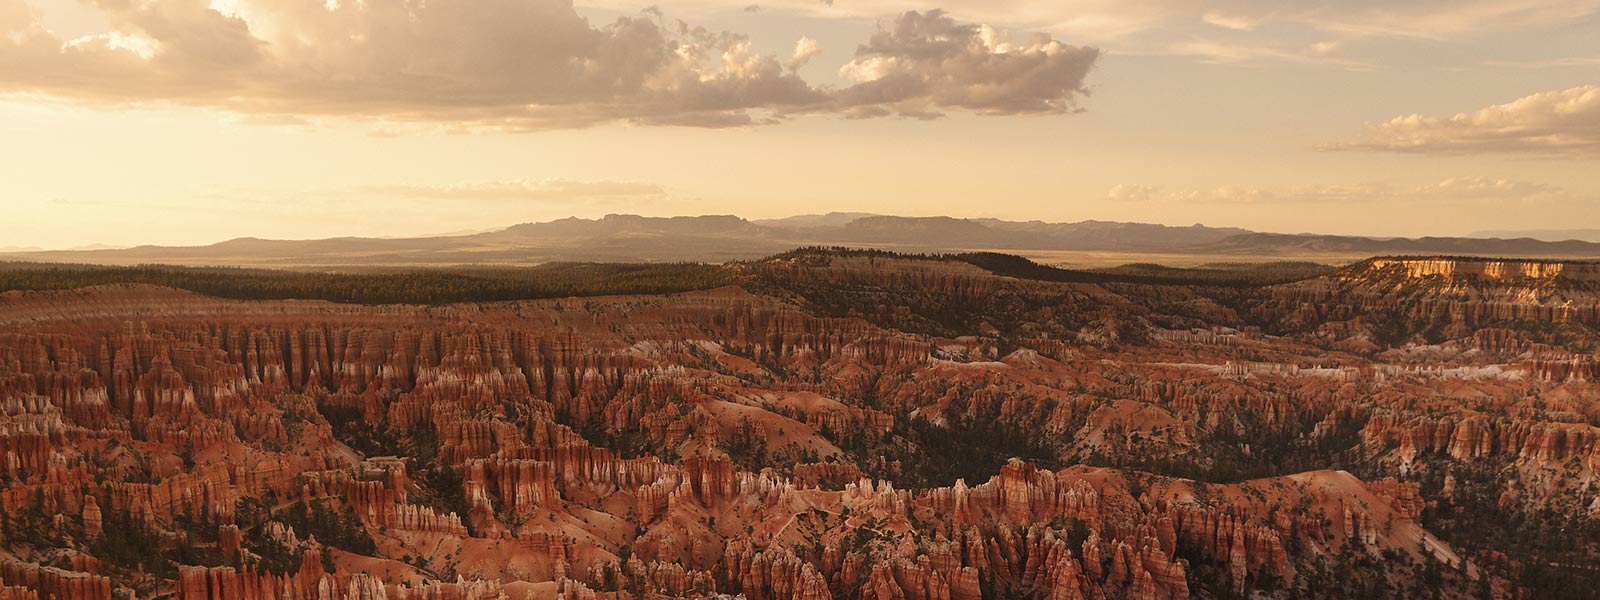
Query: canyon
[(829, 424)]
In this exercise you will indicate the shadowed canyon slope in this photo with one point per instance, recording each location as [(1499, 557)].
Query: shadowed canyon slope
[(631, 238), (831, 424)]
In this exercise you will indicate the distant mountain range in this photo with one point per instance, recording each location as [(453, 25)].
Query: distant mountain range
[(1307, 244), (1548, 235), (717, 238)]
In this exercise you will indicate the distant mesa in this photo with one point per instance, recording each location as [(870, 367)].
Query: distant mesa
[(1544, 235), (1313, 244)]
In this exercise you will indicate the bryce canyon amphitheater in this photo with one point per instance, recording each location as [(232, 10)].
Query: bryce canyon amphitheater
[(829, 424)]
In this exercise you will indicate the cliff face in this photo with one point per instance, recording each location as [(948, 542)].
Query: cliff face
[(1448, 297), (1029, 439), (1514, 272)]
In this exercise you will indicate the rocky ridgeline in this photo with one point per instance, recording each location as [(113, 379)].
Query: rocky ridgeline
[(1445, 297), (1515, 272)]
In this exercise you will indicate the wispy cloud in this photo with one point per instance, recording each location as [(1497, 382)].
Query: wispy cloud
[(1231, 21), (546, 190), (1548, 63), (1317, 54), (1456, 191)]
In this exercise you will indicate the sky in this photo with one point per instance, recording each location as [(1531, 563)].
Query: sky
[(178, 122)]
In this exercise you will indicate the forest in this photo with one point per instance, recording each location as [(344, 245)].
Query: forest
[(380, 286), (1020, 267), (445, 285)]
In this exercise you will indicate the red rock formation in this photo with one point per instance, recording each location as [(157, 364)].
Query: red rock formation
[(773, 574), (50, 582), (780, 454)]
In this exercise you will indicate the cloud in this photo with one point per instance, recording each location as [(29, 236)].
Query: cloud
[(1127, 192), (546, 190), (1438, 19), (1229, 21), (1217, 52), (508, 65), (1564, 123), (1348, 34), (497, 63), (1456, 191), (927, 62), (1547, 63), (1478, 188), (804, 51), (1101, 21)]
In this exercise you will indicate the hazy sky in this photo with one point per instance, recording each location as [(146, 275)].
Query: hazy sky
[(188, 121)]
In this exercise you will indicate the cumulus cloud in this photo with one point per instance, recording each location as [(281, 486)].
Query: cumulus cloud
[(1557, 123), (928, 61), (1455, 191), (804, 51), (1130, 192), (507, 64), (504, 63)]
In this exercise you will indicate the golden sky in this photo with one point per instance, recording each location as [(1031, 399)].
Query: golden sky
[(193, 121)]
